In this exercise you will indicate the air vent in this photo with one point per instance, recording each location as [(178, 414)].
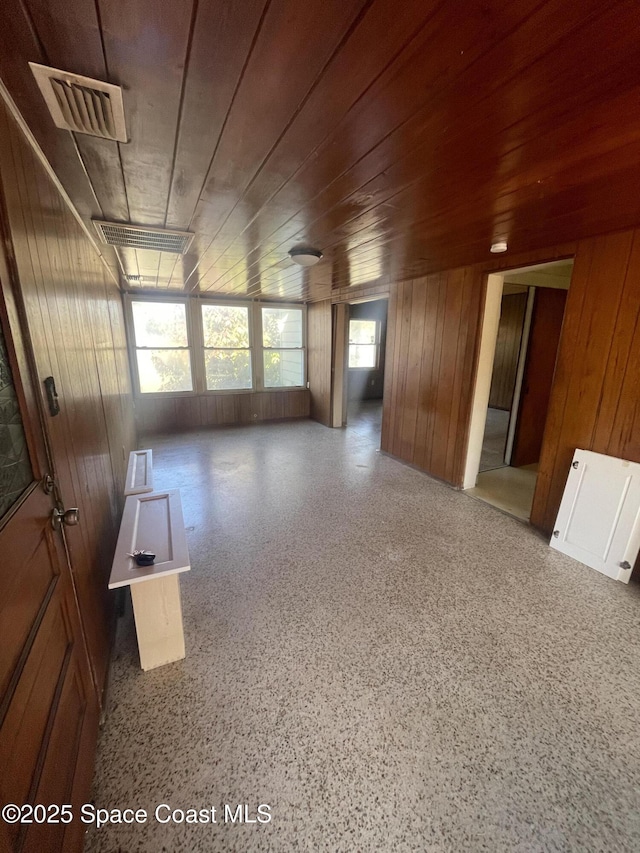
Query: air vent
[(133, 278), (137, 237), (81, 104)]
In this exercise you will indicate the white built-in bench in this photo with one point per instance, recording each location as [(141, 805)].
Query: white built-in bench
[(152, 521)]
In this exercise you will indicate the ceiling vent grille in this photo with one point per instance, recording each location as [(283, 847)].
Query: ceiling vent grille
[(81, 104), (138, 237)]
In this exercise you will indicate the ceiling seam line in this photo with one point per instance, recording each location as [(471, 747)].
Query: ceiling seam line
[(183, 86)]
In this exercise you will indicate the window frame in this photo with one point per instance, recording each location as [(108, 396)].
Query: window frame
[(225, 304), (130, 298), (258, 318), (196, 348), (376, 344)]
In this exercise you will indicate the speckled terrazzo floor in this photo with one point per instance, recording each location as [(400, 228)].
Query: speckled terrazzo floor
[(388, 664)]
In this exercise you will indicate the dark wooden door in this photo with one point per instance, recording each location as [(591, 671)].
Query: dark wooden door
[(48, 705), (544, 337), (505, 362)]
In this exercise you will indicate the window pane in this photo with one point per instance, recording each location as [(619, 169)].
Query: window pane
[(362, 331), (225, 326), (281, 327), (228, 369), (160, 324), (283, 368), (164, 370), (15, 467), (361, 355)]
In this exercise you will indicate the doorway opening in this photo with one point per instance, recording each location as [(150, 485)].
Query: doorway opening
[(364, 365), (523, 318)]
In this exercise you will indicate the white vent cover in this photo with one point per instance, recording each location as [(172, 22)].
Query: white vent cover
[(81, 104), (138, 237)]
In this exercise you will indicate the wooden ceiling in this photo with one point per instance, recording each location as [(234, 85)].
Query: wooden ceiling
[(398, 138)]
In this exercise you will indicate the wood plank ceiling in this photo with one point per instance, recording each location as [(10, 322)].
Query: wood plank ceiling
[(397, 138)]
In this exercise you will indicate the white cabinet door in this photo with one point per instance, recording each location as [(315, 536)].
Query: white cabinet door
[(599, 518)]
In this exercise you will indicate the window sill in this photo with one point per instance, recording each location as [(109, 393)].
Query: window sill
[(181, 395)]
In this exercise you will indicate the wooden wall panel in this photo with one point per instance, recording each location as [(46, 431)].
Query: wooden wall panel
[(433, 334), (431, 343), (173, 414), (319, 361), (595, 397), (74, 315), (505, 362)]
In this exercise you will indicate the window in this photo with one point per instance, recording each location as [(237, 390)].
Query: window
[(227, 352), (161, 337), (185, 345), (363, 343), (282, 347)]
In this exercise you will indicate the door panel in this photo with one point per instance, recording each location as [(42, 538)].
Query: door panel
[(48, 707), (22, 736), (544, 337), (26, 589), (598, 521), (57, 778), (505, 361)]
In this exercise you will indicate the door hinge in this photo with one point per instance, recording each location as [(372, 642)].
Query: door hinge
[(48, 484)]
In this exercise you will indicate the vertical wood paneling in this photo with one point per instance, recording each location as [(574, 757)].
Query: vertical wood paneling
[(595, 388), (425, 420), (430, 365), (403, 341), (414, 358), (319, 361), (155, 414), (392, 312), (74, 316), (472, 292), (448, 366), (595, 397)]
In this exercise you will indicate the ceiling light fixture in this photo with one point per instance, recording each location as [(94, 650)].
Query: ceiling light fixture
[(305, 257), (498, 247)]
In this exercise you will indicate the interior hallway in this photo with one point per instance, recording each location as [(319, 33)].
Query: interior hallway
[(389, 665), (364, 417)]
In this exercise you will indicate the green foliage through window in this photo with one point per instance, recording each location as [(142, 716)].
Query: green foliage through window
[(162, 341), (227, 354), (224, 361)]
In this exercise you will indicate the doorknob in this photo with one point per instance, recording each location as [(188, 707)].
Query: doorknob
[(69, 517)]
